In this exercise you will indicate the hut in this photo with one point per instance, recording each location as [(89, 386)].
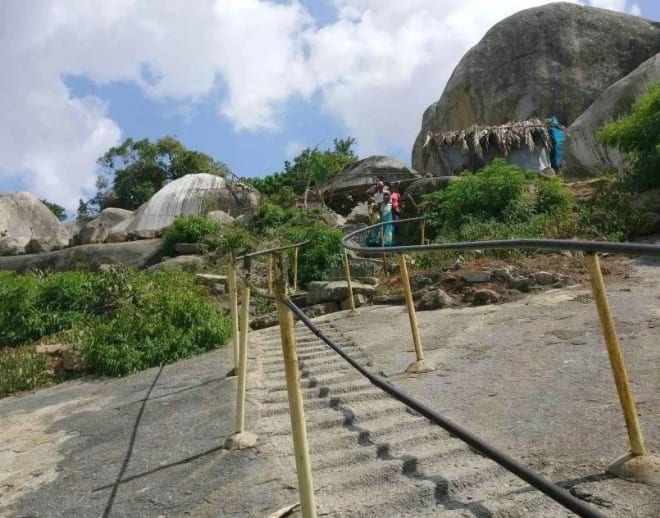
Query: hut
[(534, 144)]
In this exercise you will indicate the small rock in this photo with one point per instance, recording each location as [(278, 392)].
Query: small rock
[(420, 282), (520, 283), (476, 277), (544, 278), (217, 289), (485, 296), (359, 299), (51, 348), (503, 274), (371, 281), (191, 248), (433, 299), (72, 360)]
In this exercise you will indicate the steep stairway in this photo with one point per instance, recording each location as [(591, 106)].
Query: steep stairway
[(370, 455)]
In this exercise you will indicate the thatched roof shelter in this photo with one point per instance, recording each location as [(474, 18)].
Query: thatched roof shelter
[(477, 145)]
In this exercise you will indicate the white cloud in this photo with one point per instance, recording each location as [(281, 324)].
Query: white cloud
[(635, 10), (376, 68), (293, 148)]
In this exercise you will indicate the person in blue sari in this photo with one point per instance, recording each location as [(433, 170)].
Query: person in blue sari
[(387, 215)]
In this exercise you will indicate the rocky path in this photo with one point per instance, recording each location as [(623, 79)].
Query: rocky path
[(373, 457)]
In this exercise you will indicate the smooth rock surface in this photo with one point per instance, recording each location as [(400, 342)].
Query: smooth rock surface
[(23, 218), (137, 254), (98, 230), (335, 291), (584, 154)]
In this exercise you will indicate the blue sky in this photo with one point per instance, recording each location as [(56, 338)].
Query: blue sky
[(250, 82)]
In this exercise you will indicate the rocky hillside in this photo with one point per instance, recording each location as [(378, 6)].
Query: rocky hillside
[(551, 60)]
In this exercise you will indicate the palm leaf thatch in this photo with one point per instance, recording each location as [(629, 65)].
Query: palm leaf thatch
[(476, 140)]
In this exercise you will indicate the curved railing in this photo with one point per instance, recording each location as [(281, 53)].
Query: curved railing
[(287, 309)]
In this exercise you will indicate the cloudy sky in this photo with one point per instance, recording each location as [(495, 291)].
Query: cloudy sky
[(251, 82)]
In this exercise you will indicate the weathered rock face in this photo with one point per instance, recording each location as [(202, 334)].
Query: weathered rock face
[(584, 155), (193, 194), (138, 254), (349, 187), (221, 217), (550, 60), (24, 219), (335, 291), (97, 230)]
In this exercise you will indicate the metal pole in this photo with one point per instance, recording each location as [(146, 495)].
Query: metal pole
[(614, 352), (296, 408), (270, 274), (242, 361), (423, 232), (410, 305), (295, 269), (347, 274), (233, 308)]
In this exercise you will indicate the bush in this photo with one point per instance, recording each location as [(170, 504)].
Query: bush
[(189, 229), (234, 239), (638, 135), (501, 201), (609, 215), (320, 255), (123, 320), (22, 369)]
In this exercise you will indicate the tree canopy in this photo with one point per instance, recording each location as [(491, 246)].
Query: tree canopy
[(58, 210), (638, 135), (309, 170), (136, 169)]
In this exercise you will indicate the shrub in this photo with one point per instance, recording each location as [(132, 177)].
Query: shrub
[(22, 369), (500, 201), (234, 239), (123, 320), (609, 215), (320, 255), (638, 135), (189, 229)]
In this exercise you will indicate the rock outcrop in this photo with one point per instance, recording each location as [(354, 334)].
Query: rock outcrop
[(27, 224), (193, 194), (90, 257), (584, 155), (98, 230), (550, 60), (349, 187)]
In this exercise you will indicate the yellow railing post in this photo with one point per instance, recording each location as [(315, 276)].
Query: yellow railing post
[(241, 439), (270, 274), (295, 269), (423, 232), (638, 464), (233, 310), (420, 365), (347, 275), (615, 355), (296, 408)]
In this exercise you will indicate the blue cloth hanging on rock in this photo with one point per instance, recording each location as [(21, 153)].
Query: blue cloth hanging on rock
[(558, 137)]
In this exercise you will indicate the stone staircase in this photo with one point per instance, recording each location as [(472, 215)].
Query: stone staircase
[(370, 455)]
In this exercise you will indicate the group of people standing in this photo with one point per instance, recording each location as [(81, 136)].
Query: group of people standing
[(384, 207)]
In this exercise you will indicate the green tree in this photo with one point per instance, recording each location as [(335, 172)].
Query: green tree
[(136, 169), (638, 135), (58, 210), (309, 171)]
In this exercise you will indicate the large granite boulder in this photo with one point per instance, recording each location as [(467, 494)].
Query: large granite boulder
[(25, 223), (349, 187), (549, 60), (193, 194), (584, 155), (98, 229), (138, 254)]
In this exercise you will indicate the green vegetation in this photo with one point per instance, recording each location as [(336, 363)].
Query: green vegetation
[(121, 320), (638, 135), (137, 169), (501, 201), (309, 171), (58, 210), (189, 229), (320, 255)]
